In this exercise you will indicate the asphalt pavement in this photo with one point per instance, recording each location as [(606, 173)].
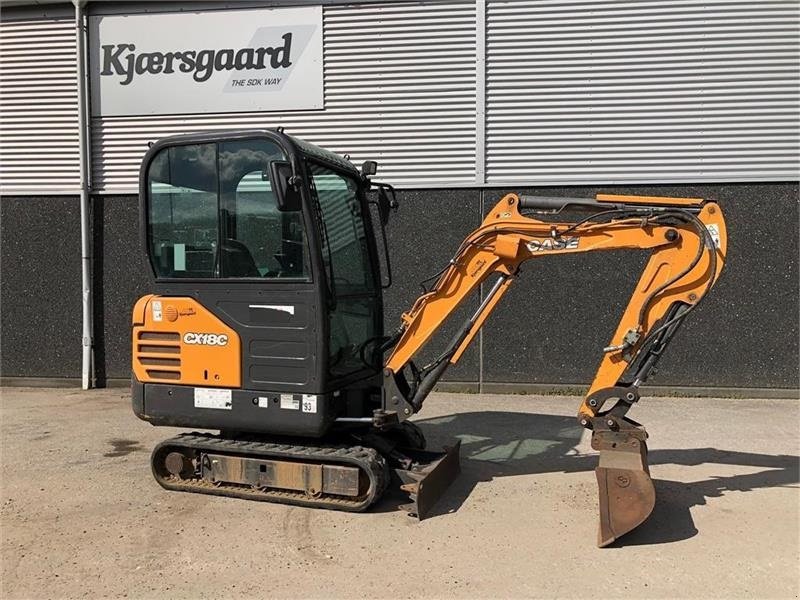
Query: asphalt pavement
[(82, 517)]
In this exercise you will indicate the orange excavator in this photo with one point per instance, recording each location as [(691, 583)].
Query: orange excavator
[(266, 323)]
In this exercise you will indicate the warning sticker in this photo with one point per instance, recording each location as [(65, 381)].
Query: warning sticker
[(157, 315), (289, 401), (713, 229), (263, 402), (309, 403), (213, 398)]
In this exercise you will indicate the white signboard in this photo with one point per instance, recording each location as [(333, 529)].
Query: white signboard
[(206, 62)]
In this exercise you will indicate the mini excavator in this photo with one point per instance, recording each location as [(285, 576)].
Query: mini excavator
[(267, 323)]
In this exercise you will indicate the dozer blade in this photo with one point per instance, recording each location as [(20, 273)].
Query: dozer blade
[(427, 479), (626, 492)]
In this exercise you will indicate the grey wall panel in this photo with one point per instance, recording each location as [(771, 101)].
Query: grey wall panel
[(553, 323), (604, 91), (38, 100), (399, 84), (583, 92), (40, 287)]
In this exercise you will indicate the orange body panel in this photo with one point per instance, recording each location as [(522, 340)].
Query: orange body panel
[(176, 340)]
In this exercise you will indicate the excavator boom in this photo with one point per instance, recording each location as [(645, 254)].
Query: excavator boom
[(688, 242)]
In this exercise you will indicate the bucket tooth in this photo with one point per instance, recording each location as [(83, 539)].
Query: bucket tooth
[(626, 492), (428, 478)]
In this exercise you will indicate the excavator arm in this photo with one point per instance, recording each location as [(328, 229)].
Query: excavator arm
[(688, 241)]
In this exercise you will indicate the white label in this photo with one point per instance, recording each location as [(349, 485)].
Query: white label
[(290, 402), (157, 316), (209, 398), (713, 229), (287, 308), (309, 403), (263, 402), (179, 254)]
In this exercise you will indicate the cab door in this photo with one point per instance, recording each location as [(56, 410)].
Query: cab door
[(355, 311), (215, 233)]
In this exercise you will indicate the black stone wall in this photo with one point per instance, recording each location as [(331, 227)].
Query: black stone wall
[(549, 328), (40, 287), (562, 311), (423, 235), (121, 276)]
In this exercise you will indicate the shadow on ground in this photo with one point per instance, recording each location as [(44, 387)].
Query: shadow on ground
[(498, 444)]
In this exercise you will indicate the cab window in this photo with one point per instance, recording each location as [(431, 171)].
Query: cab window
[(213, 214), (183, 211), (354, 318), (344, 245)]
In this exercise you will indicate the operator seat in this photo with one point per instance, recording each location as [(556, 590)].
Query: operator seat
[(237, 260)]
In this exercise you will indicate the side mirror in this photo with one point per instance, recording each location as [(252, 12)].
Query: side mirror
[(370, 167), (287, 193), (386, 204)]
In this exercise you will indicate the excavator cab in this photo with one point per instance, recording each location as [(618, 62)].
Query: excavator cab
[(266, 265), (266, 324)]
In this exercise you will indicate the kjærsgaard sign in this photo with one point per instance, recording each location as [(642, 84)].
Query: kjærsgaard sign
[(206, 62)]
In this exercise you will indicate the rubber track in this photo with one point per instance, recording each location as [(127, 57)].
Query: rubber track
[(366, 459)]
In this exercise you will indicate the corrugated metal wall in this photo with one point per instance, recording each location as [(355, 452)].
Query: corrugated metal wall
[(399, 88), (585, 91), (684, 90), (38, 107)]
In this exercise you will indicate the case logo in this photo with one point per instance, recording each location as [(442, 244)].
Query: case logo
[(205, 339), (550, 244)]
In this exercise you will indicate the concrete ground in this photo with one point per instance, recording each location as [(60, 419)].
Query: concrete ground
[(83, 517)]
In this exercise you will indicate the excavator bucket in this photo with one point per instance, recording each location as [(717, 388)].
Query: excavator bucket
[(428, 477), (626, 492)]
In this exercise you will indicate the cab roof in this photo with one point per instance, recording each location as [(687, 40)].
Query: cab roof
[(316, 152), (295, 143)]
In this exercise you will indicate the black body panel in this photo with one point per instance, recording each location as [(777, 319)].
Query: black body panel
[(249, 410), (279, 327)]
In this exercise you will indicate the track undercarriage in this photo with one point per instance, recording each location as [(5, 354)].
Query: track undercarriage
[(348, 473)]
